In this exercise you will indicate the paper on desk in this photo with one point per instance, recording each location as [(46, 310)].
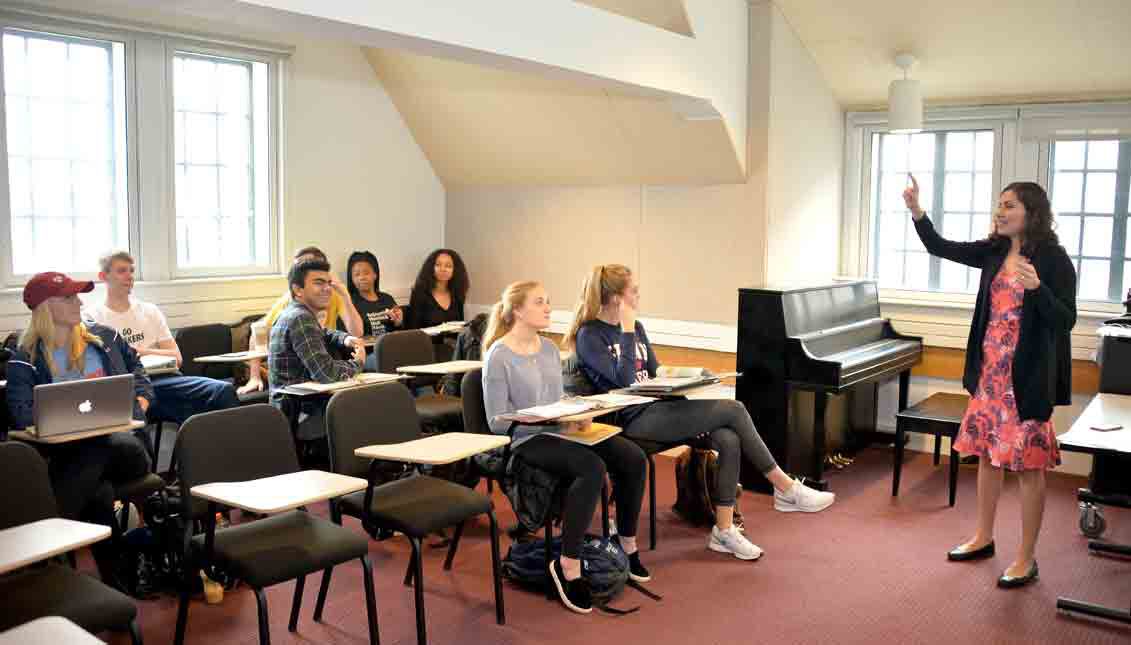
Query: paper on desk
[(444, 328), (365, 378), (563, 408), (618, 400)]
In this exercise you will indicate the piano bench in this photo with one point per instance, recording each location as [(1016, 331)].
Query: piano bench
[(939, 414)]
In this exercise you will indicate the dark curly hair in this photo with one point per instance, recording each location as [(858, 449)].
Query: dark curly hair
[(371, 260), (1038, 216), (458, 285)]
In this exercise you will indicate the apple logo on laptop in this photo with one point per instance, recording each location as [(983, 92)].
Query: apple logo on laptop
[(85, 407)]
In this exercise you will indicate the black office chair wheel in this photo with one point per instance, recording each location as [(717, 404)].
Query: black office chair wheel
[(1092, 522)]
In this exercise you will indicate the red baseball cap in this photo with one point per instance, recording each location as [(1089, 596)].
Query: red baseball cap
[(51, 285)]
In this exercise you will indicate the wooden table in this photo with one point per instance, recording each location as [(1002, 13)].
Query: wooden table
[(447, 367), (29, 436), (52, 630), (1104, 445), (233, 357), (281, 492), (436, 450), (30, 543)]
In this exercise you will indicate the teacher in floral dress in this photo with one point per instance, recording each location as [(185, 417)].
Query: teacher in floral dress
[(1018, 364)]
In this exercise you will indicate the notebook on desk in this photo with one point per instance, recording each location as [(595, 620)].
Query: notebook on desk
[(365, 378), (82, 405), (593, 434)]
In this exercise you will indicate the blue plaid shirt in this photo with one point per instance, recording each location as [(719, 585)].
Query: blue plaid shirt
[(298, 351)]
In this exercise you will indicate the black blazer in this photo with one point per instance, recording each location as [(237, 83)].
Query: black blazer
[(1042, 363)]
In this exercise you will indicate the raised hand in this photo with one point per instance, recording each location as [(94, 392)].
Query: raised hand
[(1027, 274), (911, 197)]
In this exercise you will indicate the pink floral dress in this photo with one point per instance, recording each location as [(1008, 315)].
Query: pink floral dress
[(991, 427)]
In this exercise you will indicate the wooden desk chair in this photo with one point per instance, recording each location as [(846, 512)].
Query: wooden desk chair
[(438, 412), (247, 443), (51, 589), (939, 414), (416, 505)]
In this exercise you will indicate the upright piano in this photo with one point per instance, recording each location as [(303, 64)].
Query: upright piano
[(824, 340)]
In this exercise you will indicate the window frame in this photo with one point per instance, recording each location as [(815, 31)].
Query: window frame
[(150, 142)]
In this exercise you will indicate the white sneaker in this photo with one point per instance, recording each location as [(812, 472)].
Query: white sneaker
[(732, 542), (801, 498)]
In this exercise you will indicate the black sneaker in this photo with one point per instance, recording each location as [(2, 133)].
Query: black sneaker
[(636, 571), (574, 593)]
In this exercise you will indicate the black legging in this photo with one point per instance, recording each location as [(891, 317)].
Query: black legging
[(83, 474), (586, 467)]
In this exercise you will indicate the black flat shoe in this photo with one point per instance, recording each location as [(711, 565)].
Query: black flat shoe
[(957, 555), (1011, 582)]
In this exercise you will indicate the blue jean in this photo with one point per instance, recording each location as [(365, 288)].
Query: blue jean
[(180, 397)]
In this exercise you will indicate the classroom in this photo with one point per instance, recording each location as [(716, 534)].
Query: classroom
[(565, 321)]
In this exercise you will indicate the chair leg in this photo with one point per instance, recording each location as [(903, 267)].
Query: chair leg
[(418, 590), (550, 593), (954, 459), (296, 604), (605, 510), (500, 613), (323, 589), (651, 503), (264, 632), (72, 560), (182, 618), (897, 468), (370, 598), (938, 444), (490, 485), (453, 546), (156, 444), (411, 569), (135, 633)]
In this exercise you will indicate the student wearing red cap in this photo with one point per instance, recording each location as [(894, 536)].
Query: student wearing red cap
[(58, 346)]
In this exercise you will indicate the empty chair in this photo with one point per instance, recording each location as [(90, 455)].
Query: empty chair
[(247, 443), (51, 589), (416, 505), (438, 412)]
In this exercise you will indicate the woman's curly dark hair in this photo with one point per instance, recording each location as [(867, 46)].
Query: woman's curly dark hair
[(458, 285), (1038, 216)]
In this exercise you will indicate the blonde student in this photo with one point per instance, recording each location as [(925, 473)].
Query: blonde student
[(521, 370), (614, 352)]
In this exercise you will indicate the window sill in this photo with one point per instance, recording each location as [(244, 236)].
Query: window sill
[(965, 302)]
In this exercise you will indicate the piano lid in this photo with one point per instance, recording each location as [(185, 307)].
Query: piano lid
[(817, 307)]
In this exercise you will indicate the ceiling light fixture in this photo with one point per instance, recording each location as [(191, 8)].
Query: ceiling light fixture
[(905, 100)]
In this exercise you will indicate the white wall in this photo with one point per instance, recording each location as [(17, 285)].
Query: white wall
[(353, 178), (806, 139)]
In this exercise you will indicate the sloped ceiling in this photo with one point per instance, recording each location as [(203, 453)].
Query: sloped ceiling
[(970, 51), (486, 126), (665, 14)]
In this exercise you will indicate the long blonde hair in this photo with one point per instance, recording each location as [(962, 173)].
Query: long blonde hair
[(501, 320), (42, 328), (603, 282)]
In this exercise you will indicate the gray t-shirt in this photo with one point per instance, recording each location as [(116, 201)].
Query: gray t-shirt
[(513, 382)]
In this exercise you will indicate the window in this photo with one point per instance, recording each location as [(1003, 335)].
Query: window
[(1089, 184), (121, 139), (220, 122), (64, 103), (955, 171)]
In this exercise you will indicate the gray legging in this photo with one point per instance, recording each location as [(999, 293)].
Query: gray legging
[(731, 432)]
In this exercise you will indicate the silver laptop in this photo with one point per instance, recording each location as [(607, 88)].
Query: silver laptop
[(85, 404)]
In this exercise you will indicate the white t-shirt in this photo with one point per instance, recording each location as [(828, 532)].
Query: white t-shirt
[(143, 326)]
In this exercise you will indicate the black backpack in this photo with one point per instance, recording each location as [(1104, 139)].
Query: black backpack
[(603, 563)]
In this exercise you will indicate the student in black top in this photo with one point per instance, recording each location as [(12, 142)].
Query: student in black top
[(379, 311), (440, 290), (1018, 361)]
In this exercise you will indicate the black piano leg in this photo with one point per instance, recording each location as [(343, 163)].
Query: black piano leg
[(817, 481), (904, 389), (897, 467)]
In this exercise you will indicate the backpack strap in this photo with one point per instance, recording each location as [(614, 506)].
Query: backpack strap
[(639, 587)]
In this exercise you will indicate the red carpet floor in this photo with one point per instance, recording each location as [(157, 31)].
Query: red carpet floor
[(871, 569)]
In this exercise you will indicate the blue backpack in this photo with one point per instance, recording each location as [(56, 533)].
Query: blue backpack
[(603, 563)]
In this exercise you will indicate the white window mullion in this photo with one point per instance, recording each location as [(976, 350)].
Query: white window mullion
[(154, 186)]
